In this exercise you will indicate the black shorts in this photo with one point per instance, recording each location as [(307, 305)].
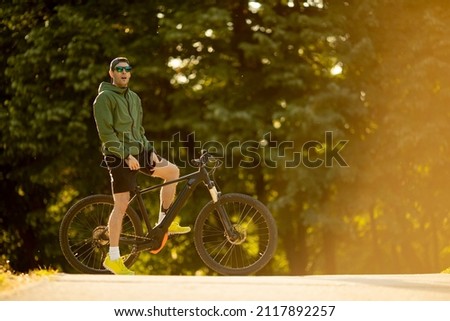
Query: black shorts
[(123, 179)]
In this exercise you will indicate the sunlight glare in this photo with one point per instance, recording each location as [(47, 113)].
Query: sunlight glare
[(337, 69), (175, 63), (313, 3), (254, 6)]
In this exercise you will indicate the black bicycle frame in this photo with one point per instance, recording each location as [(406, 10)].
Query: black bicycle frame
[(192, 179), (154, 237)]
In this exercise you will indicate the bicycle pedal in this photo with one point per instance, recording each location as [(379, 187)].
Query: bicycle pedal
[(163, 243)]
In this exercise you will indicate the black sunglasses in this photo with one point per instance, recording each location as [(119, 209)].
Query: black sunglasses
[(121, 69)]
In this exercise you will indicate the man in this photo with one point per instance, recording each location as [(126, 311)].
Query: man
[(126, 150)]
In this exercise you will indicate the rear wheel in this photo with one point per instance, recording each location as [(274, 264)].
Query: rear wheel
[(83, 234), (253, 245)]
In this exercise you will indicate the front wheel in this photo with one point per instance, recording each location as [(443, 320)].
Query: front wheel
[(253, 244), (83, 234)]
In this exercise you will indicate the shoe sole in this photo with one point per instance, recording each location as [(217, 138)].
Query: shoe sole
[(110, 270), (178, 233)]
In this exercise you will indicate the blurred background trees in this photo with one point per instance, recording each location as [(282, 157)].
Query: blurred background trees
[(275, 78)]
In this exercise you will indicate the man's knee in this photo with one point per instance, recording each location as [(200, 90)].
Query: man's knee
[(166, 170), (175, 171), (121, 201), (171, 172)]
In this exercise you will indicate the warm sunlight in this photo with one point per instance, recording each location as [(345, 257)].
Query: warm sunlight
[(254, 6), (336, 69)]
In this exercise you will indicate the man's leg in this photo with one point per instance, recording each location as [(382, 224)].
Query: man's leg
[(167, 171), (115, 219), (113, 261)]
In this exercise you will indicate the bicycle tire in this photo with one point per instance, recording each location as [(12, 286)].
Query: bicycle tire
[(82, 238), (252, 219)]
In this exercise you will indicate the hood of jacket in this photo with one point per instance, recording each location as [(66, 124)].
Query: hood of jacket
[(110, 87)]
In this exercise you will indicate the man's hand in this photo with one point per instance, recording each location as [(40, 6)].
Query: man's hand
[(133, 163)]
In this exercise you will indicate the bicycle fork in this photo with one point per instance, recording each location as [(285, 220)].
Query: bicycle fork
[(230, 231)]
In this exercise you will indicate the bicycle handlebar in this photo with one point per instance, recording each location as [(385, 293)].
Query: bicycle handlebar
[(205, 157)]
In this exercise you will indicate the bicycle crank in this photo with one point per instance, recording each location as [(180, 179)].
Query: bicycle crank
[(154, 241), (163, 243)]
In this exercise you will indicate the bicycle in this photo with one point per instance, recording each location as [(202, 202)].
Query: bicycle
[(234, 234)]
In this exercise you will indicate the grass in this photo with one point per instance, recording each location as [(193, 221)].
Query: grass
[(10, 280)]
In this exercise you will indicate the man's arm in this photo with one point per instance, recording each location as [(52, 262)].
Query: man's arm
[(147, 145), (105, 127)]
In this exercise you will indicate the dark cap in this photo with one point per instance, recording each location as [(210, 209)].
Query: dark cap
[(116, 61)]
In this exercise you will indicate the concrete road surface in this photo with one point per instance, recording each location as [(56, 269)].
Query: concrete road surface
[(67, 287)]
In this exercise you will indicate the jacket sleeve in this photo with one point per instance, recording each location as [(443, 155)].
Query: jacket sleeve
[(148, 146), (103, 107)]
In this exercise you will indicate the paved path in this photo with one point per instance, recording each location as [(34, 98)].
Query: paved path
[(68, 287)]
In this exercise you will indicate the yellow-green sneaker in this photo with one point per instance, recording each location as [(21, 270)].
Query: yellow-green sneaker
[(116, 266), (176, 228)]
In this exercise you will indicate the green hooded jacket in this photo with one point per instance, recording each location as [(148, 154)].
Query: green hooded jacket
[(118, 116)]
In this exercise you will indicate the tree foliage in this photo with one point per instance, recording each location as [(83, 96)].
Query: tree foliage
[(333, 114)]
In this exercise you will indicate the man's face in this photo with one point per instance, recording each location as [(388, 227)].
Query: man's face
[(120, 75)]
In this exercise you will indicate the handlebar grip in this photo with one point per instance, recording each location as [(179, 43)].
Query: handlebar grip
[(204, 158)]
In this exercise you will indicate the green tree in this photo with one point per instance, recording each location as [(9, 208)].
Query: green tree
[(48, 146)]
